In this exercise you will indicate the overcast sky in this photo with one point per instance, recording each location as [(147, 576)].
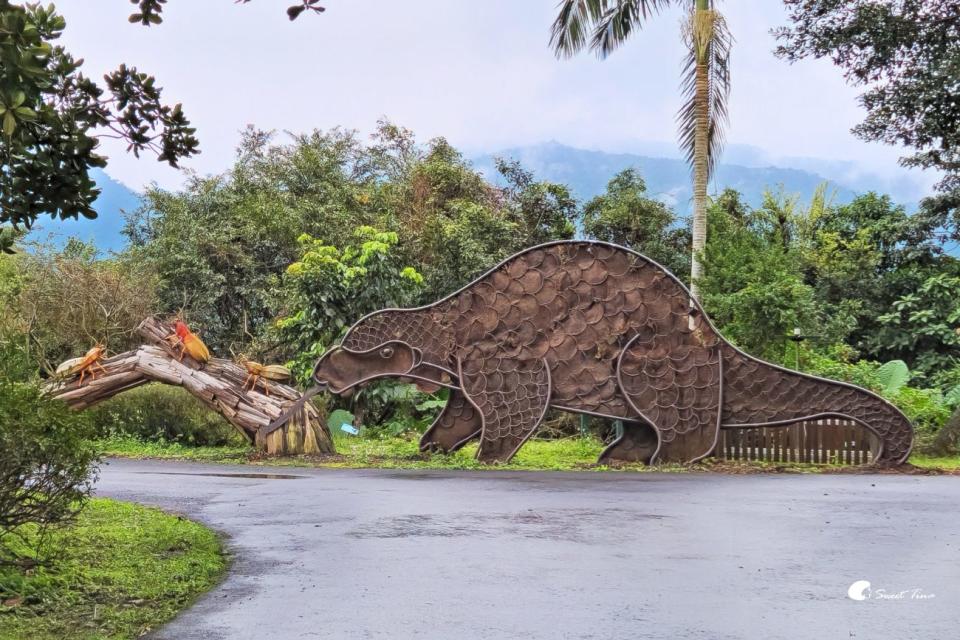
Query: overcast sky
[(478, 73)]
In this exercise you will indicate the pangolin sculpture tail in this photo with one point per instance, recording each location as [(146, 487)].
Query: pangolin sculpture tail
[(598, 329)]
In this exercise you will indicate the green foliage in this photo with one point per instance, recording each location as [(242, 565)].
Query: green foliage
[(627, 216), (395, 409), (50, 116), (863, 256), (893, 375), (46, 459), (925, 324), (59, 303), (119, 571), (754, 287), (221, 247), (161, 413), (328, 289), (902, 52)]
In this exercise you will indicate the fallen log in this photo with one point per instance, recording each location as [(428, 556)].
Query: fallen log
[(218, 383)]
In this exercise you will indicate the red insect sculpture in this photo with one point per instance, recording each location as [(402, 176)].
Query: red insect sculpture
[(189, 342)]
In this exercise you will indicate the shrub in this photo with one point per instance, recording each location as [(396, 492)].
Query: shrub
[(47, 461), (162, 413)]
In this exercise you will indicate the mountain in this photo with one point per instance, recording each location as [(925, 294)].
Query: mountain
[(668, 179), (105, 229)]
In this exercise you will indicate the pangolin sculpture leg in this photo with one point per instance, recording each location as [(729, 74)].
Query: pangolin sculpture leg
[(512, 397), (638, 443), (671, 374), (457, 424)]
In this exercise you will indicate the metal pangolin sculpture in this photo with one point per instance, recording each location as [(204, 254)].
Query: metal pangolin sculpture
[(592, 328)]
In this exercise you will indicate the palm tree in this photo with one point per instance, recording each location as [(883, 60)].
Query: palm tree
[(603, 25)]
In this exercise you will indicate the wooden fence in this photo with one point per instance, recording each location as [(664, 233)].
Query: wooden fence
[(826, 441)]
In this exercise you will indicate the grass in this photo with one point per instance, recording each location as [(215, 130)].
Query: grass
[(117, 572), (129, 447), (401, 453), (932, 462)]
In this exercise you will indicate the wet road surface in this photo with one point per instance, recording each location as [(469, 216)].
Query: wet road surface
[(344, 554)]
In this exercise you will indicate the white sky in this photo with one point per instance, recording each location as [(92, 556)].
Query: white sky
[(479, 73)]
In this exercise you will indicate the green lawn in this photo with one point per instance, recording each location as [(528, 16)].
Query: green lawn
[(116, 573), (931, 462), (401, 453)]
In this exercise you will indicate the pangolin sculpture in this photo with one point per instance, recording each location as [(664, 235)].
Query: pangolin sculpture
[(593, 328)]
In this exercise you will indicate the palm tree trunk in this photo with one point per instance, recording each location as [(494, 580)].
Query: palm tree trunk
[(701, 161)]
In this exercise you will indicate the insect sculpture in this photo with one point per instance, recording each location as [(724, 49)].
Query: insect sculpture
[(189, 343), (85, 364), (597, 329), (257, 372)]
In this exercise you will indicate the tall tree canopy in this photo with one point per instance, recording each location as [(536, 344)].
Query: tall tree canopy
[(51, 117), (906, 54)]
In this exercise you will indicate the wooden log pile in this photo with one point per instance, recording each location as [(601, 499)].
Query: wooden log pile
[(219, 384)]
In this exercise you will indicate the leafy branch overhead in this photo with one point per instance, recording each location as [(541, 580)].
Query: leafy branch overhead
[(906, 56), (52, 117), (148, 11)]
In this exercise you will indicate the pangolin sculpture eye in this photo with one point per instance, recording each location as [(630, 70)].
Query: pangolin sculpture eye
[(386, 352)]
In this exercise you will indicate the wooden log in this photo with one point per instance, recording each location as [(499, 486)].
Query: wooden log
[(219, 384)]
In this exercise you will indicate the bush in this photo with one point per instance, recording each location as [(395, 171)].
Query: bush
[(47, 461), (158, 412)]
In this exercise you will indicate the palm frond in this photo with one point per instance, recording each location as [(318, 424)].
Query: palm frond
[(620, 20), (606, 23), (709, 42), (574, 21)]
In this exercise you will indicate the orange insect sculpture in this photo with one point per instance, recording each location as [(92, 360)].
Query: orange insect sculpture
[(84, 365), (188, 342), (257, 372)]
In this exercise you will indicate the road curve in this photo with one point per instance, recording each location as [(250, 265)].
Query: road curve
[(378, 554)]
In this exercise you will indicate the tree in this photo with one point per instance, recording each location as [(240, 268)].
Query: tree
[(906, 54), (626, 215), (330, 288), (58, 304), (149, 11), (924, 326), (864, 256), (51, 117), (753, 286), (604, 25)]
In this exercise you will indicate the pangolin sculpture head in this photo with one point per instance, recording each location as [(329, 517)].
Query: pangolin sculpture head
[(394, 343)]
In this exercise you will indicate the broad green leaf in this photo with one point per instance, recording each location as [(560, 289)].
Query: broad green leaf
[(893, 375), (9, 124), (953, 396)]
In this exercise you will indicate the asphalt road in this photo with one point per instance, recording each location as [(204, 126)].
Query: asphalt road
[(346, 554)]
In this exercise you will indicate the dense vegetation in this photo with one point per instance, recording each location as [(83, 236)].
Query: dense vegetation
[(278, 255)]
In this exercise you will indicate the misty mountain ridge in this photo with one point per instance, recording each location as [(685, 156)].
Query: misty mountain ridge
[(586, 172), (668, 179)]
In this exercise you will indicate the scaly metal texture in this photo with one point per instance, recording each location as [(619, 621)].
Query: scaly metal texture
[(593, 328)]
